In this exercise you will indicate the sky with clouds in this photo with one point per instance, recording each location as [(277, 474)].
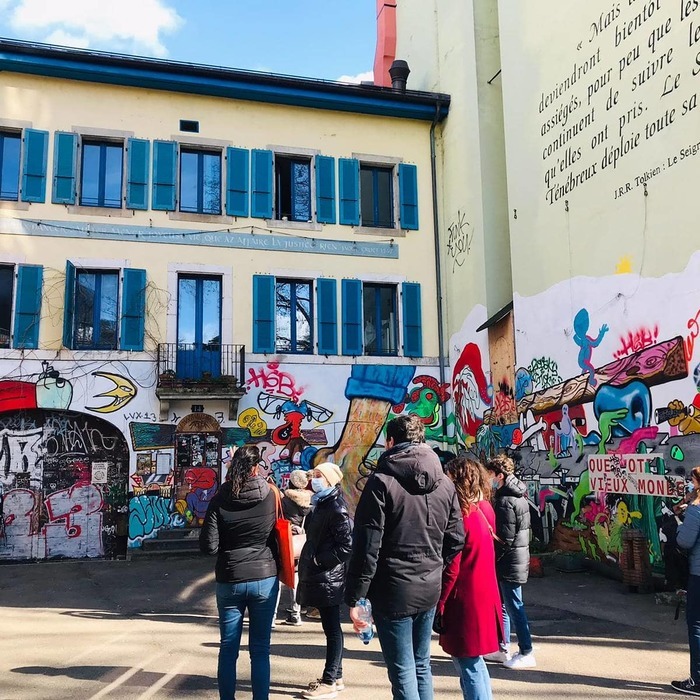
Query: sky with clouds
[(334, 39)]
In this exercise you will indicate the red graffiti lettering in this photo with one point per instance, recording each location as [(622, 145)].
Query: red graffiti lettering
[(637, 340), (689, 342), (272, 379)]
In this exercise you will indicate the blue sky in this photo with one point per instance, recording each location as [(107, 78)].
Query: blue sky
[(330, 39)]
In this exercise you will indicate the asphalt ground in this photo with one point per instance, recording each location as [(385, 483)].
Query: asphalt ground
[(148, 629)]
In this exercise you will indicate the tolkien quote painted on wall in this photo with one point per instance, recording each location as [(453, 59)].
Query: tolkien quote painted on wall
[(636, 75)]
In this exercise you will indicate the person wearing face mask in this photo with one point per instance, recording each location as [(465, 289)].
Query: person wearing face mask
[(512, 558), (322, 568)]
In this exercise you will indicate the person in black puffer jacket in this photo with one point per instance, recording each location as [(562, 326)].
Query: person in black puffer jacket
[(322, 571), (512, 558), (239, 529)]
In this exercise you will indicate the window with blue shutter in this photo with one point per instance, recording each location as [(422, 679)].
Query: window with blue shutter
[(408, 196), (261, 176), (349, 187), (327, 314), (133, 309), (137, 169), (36, 149), (412, 324), (7, 286), (10, 147), (263, 314), (325, 190), (28, 306), (164, 175), (69, 306), (237, 181), (352, 317), (64, 167)]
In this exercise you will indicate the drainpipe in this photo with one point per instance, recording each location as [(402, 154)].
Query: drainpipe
[(438, 265)]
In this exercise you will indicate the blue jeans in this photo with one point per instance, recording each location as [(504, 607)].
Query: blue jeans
[(513, 609), (406, 648), (692, 616), (232, 599), (474, 677)]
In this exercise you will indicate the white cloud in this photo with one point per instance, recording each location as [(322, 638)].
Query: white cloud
[(360, 77), (63, 38), (122, 25)]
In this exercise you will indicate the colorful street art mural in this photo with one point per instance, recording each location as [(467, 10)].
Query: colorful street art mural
[(604, 377)]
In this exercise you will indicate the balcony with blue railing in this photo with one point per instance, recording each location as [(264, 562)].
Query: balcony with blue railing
[(204, 371)]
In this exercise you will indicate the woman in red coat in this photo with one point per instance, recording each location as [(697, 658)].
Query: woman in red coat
[(469, 609)]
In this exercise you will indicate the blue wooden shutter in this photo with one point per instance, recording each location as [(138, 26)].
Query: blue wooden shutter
[(133, 309), (36, 149), (349, 185), (352, 317), (408, 196), (64, 167), (237, 181), (263, 313), (327, 310), (164, 175), (261, 200), (325, 190), (412, 325), (69, 306), (28, 306), (137, 167)]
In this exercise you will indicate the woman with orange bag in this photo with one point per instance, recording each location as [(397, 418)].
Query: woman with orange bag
[(239, 528)]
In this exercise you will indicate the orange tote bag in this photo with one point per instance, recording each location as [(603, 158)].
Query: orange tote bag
[(285, 544)]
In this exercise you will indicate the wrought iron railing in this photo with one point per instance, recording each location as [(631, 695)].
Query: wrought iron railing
[(195, 364)]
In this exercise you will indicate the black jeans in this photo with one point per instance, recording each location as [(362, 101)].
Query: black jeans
[(330, 621), (692, 616)]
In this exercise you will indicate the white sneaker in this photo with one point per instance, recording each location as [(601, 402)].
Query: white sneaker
[(498, 657), (521, 661), (318, 690)]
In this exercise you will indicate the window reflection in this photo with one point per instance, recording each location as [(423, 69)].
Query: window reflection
[(294, 316)]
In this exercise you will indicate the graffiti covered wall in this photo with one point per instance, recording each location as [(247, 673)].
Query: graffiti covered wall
[(85, 460)]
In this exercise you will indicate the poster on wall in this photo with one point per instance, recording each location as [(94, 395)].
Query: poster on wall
[(632, 475), (99, 472)]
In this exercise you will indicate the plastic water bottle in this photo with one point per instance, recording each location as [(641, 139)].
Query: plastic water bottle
[(365, 608)]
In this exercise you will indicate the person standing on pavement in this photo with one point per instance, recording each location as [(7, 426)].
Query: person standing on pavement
[(296, 505), (322, 568), (239, 529), (469, 610), (408, 527), (512, 559), (688, 537)]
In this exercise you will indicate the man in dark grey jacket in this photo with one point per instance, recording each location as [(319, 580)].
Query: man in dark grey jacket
[(408, 526), (512, 558)]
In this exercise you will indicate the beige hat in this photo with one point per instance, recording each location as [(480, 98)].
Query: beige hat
[(331, 472)]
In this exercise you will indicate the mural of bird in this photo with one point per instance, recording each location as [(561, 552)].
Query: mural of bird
[(123, 391)]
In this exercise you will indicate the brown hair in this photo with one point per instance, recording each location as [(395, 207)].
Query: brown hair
[(244, 461), (470, 480), (695, 473), (406, 428), (501, 464)]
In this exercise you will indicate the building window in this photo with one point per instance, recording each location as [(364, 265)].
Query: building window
[(377, 196), (96, 310), (102, 173), (292, 188), (380, 319), (10, 146), (7, 274), (293, 316), (200, 182)]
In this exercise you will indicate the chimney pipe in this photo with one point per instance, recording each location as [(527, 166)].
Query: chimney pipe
[(399, 75)]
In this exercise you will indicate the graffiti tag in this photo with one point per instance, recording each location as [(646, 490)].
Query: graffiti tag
[(460, 235), (637, 340), (274, 380)]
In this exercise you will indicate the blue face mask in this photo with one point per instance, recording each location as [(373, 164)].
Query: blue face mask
[(318, 484)]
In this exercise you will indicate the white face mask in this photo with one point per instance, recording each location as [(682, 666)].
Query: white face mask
[(318, 483)]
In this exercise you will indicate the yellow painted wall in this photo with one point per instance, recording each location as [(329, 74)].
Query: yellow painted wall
[(61, 105)]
